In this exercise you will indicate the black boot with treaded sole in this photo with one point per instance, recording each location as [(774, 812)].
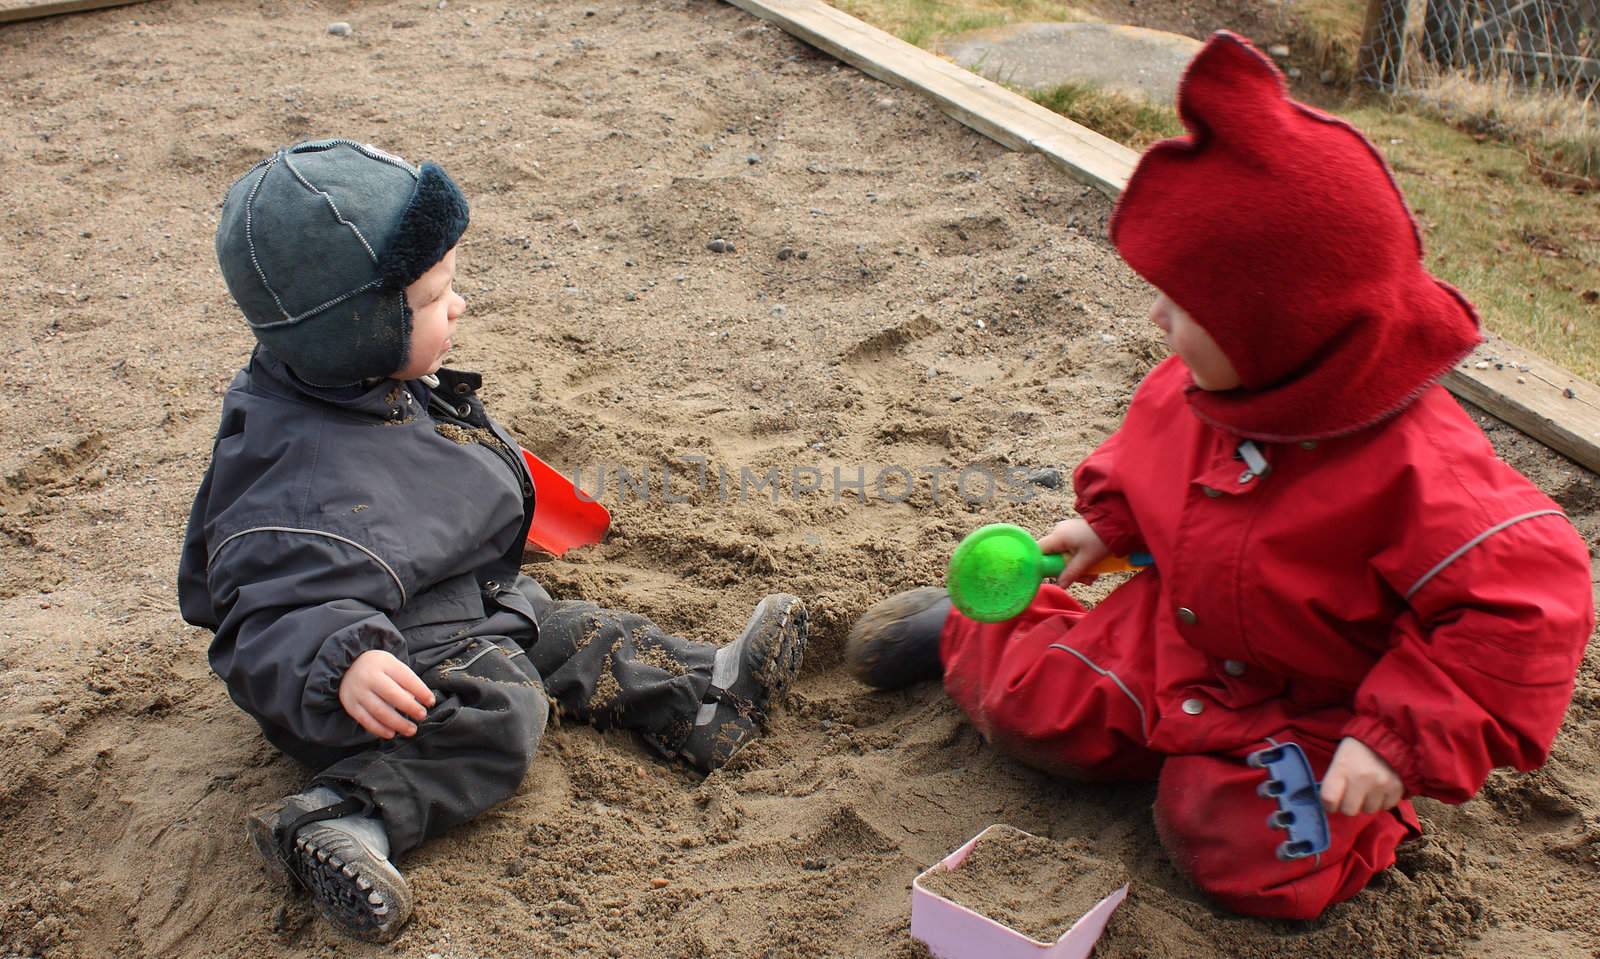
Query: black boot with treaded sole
[(331, 854), (749, 676)]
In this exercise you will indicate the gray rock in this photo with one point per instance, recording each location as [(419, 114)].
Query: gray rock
[(785, 252), (1038, 56), (1328, 77), (753, 159), (1278, 51), (339, 29), (719, 245), (1049, 477)]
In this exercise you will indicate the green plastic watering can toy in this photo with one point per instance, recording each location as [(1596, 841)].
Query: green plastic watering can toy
[(998, 569)]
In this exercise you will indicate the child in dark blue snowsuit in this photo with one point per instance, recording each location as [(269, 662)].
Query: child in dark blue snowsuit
[(356, 545)]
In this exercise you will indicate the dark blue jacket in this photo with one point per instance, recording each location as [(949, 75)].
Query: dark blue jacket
[(331, 522)]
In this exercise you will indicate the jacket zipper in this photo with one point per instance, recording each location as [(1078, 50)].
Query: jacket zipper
[(499, 448)]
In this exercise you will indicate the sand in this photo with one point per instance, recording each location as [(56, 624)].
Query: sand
[(955, 305)]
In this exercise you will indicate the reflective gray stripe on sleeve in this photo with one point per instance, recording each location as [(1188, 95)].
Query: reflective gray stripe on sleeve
[(315, 532), (480, 654), (1144, 718), (1437, 569)]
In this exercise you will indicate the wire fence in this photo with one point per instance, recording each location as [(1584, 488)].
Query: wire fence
[(1549, 45)]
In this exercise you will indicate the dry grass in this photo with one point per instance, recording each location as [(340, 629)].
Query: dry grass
[(1558, 128), (1331, 30)]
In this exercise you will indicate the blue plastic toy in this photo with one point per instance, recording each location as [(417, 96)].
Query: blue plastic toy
[(1291, 784)]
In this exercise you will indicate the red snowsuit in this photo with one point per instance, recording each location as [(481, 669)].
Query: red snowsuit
[(1400, 585), (1382, 576)]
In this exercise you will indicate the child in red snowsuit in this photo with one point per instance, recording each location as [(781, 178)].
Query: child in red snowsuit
[(1341, 560)]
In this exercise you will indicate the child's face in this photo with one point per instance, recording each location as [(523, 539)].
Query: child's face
[(1208, 365), (435, 308)]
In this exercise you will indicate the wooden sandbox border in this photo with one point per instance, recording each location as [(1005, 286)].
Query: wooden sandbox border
[(1550, 404), (58, 7)]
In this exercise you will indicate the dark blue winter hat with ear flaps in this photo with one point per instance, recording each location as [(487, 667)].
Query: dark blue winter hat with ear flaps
[(317, 244)]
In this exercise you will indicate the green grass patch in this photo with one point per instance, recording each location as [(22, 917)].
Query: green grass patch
[(923, 22), (1526, 255), (1128, 120)]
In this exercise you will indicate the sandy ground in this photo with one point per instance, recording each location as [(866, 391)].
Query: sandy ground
[(943, 303)]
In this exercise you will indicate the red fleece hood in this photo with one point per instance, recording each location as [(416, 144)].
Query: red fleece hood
[(1281, 231)]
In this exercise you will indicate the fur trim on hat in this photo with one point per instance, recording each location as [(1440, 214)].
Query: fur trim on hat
[(433, 221)]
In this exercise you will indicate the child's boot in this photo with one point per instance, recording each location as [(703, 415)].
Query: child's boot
[(340, 854), (748, 676), (896, 642)]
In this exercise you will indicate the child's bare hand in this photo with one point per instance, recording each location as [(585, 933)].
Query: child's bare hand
[(1075, 536), (1359, 781), (379, 692)]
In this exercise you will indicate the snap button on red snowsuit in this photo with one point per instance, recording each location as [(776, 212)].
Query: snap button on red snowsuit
[(1400, 585)]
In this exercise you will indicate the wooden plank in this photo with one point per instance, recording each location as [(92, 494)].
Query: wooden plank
[(58, 7), (981, 104), (1539, 406)]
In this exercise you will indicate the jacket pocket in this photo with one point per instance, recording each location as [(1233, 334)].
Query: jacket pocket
[(516, 598)]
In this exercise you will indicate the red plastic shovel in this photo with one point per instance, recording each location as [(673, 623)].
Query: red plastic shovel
[(563, 517)]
